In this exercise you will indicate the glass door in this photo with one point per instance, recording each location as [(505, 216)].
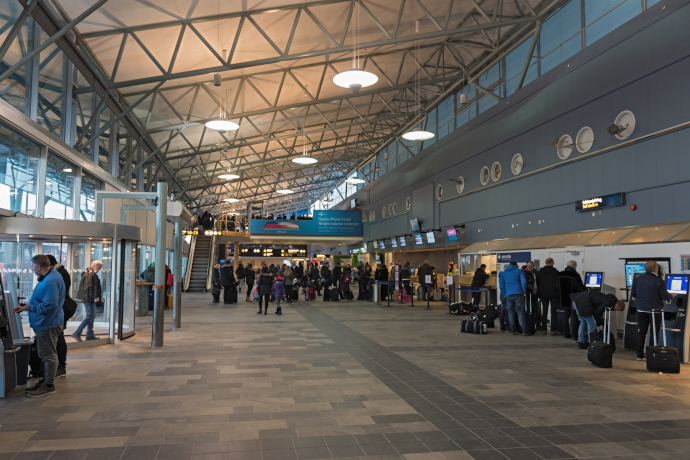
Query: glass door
[(102, 251), (126, 289)]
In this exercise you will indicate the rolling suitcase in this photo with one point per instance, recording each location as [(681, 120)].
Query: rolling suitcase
[(334, 294), (598, 336), (662, 359), (311, 293), (216, 295), (294, 294), (233, 295), (488, 315), (530, 316), (601, 353), (473, 325)]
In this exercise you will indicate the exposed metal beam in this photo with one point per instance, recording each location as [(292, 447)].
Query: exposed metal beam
[(26, 13), (530, 52)]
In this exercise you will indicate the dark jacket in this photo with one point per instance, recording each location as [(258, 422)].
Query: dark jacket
[(264, 284), (278, 290), (650, 292), (405, 272), (148, 275), (314, 273), (345, 285), (249, 275), (479, 277), (227, 277), (423, 271), (299, 271), (547, 283), (65, 277), (239, 273), (531, 279), (337, 271), (383, 273), (326, 274), (592, 303), (215, 275), (569, 286), (513, 281), (89, 287)]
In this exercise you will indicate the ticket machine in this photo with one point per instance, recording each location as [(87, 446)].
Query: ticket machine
[(676, 317), (594, 281)]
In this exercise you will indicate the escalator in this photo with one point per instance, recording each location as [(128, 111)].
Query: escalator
[(200, 264)]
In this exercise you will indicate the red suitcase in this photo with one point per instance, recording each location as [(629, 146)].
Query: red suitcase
[(311, 293)]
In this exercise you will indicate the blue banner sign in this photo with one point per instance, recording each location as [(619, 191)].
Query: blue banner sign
[(519, 257), (606, 201), (325, 223)]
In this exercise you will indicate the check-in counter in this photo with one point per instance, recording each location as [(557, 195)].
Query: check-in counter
[(465, 281), (144, 298)]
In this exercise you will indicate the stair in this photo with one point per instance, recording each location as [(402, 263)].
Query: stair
[(200, 267)]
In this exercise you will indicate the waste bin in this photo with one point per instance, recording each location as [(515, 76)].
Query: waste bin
[(23, 360), (375, 290)]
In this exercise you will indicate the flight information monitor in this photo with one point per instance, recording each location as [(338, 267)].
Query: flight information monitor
[(414, 223), (376, 244), (430, 237), (417, 238), (394, 242), (677, 284), (382, 245), (452, 234), (402, 241), (593, 280), (630, 270)]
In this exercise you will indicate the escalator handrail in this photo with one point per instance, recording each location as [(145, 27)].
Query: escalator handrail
[(190, 261), (209, 272)]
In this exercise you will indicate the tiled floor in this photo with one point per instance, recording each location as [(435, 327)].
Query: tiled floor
[(346, 380)]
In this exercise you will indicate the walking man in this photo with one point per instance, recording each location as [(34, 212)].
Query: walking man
[(46, 319), (90, 294)]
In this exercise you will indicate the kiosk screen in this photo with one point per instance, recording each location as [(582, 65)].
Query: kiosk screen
[(417, 238), (452, 234), (677, 284), (402, 241), (630, 270), (593, 280), (430, 237)]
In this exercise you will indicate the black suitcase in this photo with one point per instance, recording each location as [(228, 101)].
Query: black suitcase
[(662, 359), (598, 336), (601, 353), (530, 315), (334, 294), (294, 294), (233, 295), (488, 315), (473, 325), (35, 363)]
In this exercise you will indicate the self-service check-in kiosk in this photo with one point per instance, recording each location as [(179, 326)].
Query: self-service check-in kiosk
[(594, 281), (676, 317), (630, 332)]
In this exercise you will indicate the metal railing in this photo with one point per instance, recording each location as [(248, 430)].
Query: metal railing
[(190, 261)]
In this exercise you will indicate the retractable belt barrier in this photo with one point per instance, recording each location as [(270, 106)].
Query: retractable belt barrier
[(483, 289)]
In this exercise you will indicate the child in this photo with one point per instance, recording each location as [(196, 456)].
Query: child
[(278, 292)]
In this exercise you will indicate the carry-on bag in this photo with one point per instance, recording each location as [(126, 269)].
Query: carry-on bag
[(601, 353), (473, 325), (216, 294), (598, 336), (294, 294), (311, 293), (334, 294), (662, 359), (488, 315)]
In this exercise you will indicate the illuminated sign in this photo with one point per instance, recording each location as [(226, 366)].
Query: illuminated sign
[(190, 232), (606, 201)]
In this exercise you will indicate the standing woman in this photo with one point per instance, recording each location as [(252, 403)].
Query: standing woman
[(239, 273), (288, 275), (264, 283), (249, 277), (227, 280)]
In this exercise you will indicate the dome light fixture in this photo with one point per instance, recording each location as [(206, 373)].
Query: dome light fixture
[(355, 180), (284, 190), (417, 135), (221, 124), (231, 200), (355, 79), (304, 159), (228, 176)]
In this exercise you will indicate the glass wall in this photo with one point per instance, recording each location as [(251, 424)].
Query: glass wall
[(127, 287), (59, 189), (87, 201), (19, 160)]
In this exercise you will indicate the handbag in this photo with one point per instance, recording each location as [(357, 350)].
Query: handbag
[(69, 307), (255, 292)]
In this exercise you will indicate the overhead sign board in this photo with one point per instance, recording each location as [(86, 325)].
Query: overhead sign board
[(325, 223), (606, 201), (507, 257)]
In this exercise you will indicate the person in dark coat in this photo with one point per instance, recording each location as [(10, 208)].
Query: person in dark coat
[(650, 292), (405, 274), (61, 346), (264, 283), (239, 274), (215, 281), (345, 280), (424, 270), (227, 280), (337, 271), (315, 277), (589, 307), (531, 302), (570, 282), (478, 281), (549, 294), (327, 278), (278, 291), (249, 278), (383, 276)]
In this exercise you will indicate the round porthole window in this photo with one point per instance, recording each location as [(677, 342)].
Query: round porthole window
[(484, 175), (408, 203), (496, 171), (626, 124), (383, 212), (565, 147), (390, 209), (439, 191), (395, 208), (460, 184), (584, 139), (516, 164)]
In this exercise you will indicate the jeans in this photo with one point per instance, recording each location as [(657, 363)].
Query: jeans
[(587, 326), (644, 320), (554, 303), (46, 346), (425, 291), (240, 282), (516, 302), (87, 322)]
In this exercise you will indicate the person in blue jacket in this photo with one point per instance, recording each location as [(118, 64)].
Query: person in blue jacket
[(514, 286), (46, 319)]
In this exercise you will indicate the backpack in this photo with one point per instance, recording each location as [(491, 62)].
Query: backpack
[(347, 279), (69, 307), (170, 281)]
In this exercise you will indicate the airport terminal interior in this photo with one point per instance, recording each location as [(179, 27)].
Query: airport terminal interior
[(344, 229)]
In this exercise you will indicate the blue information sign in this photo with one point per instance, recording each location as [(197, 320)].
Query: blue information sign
[(507, 257), (325, 223)]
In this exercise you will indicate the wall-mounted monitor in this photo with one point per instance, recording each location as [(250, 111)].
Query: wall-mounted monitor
[(394, 243), (430, 237), (382, 244), (376, 244), (452, 234), (353, 203), (364, 247), (677, 284), (417, 238), (593, 279), (630, 270), (414, 223), (403, 243)]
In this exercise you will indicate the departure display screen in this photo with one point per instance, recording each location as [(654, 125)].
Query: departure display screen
[(430, 237), (376, 244), (402, 242), (452, 234), (382, 244), (417, 238), (394, 242), (630, 270), (414, 223), (593, 280), (677, 284)]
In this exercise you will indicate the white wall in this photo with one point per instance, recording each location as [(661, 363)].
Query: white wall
[(611, 260)]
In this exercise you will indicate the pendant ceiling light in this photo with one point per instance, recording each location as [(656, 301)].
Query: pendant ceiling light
[(355, 79), (417, 135), (304, 159), (231, 200), (284, 190), (229, 175), (221, 124), (355, 180)]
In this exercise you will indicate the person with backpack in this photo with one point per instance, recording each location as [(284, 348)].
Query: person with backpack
[(549, 295), (69, 308), (227, 280), (264, 284), (278, 291), (89, 293), (337, 272), (345, 280), (314, 276), (249, 278), (239, 274), (326, 280)]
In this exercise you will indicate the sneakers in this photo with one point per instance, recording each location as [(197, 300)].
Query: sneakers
[(259, 312), (266, 311), (641, 357), (503, 328), (582, 346), (61, 372), (42, 390), (92, 338), (36, 386), (76, 337), (512, 332)]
